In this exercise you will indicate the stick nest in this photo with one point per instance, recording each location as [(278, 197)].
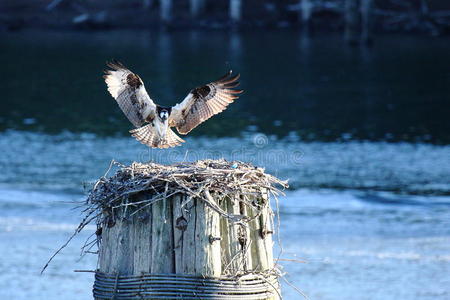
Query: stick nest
[(199, 180)]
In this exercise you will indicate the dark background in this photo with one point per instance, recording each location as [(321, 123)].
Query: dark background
[(301, 79), (427, 16)]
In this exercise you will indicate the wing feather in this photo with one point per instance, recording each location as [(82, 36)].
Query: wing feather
[(147, 135), (203, 102), (129, 91)]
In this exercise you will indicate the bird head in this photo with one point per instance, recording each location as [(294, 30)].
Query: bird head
[(163, 113)]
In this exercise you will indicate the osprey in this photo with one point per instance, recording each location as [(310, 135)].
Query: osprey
[(199, 105)]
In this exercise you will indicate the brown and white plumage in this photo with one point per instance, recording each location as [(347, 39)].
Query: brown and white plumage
[(148, 136), (199, 105), (204, 102), (129, 91)]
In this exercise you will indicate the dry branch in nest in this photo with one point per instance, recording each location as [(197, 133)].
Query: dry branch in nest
[(196, 180)]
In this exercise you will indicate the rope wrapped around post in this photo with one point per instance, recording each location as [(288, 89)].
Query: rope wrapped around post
[(184, 286), (198, 230)]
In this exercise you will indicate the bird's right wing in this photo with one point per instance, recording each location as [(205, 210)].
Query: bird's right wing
[(129, 91)]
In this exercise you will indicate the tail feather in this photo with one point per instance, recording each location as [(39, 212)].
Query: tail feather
[(147, 135)]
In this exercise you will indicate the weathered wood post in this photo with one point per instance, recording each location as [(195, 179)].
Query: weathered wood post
[(190, 231)]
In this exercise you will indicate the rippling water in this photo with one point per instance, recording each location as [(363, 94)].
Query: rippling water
[(371, 219), (67, 160)]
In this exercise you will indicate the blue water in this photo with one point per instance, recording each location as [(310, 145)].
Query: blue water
[(370, 220)]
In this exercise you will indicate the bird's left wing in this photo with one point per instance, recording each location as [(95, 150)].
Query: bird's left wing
[(204, 102), (129, 91)]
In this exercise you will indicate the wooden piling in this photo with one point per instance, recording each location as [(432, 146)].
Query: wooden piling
[(165, 239)]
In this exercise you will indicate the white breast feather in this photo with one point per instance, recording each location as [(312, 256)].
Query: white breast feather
[(160, 127)]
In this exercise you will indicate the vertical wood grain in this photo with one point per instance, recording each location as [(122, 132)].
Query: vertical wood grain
[(184, 236), (162, 256)]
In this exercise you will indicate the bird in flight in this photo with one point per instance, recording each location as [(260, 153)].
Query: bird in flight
[(152, 121)]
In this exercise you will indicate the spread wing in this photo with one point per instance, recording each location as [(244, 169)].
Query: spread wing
[(204, 102), (129, 91), (147, 135)]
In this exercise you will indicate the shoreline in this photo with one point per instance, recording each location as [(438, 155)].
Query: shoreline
[(69, 15)]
